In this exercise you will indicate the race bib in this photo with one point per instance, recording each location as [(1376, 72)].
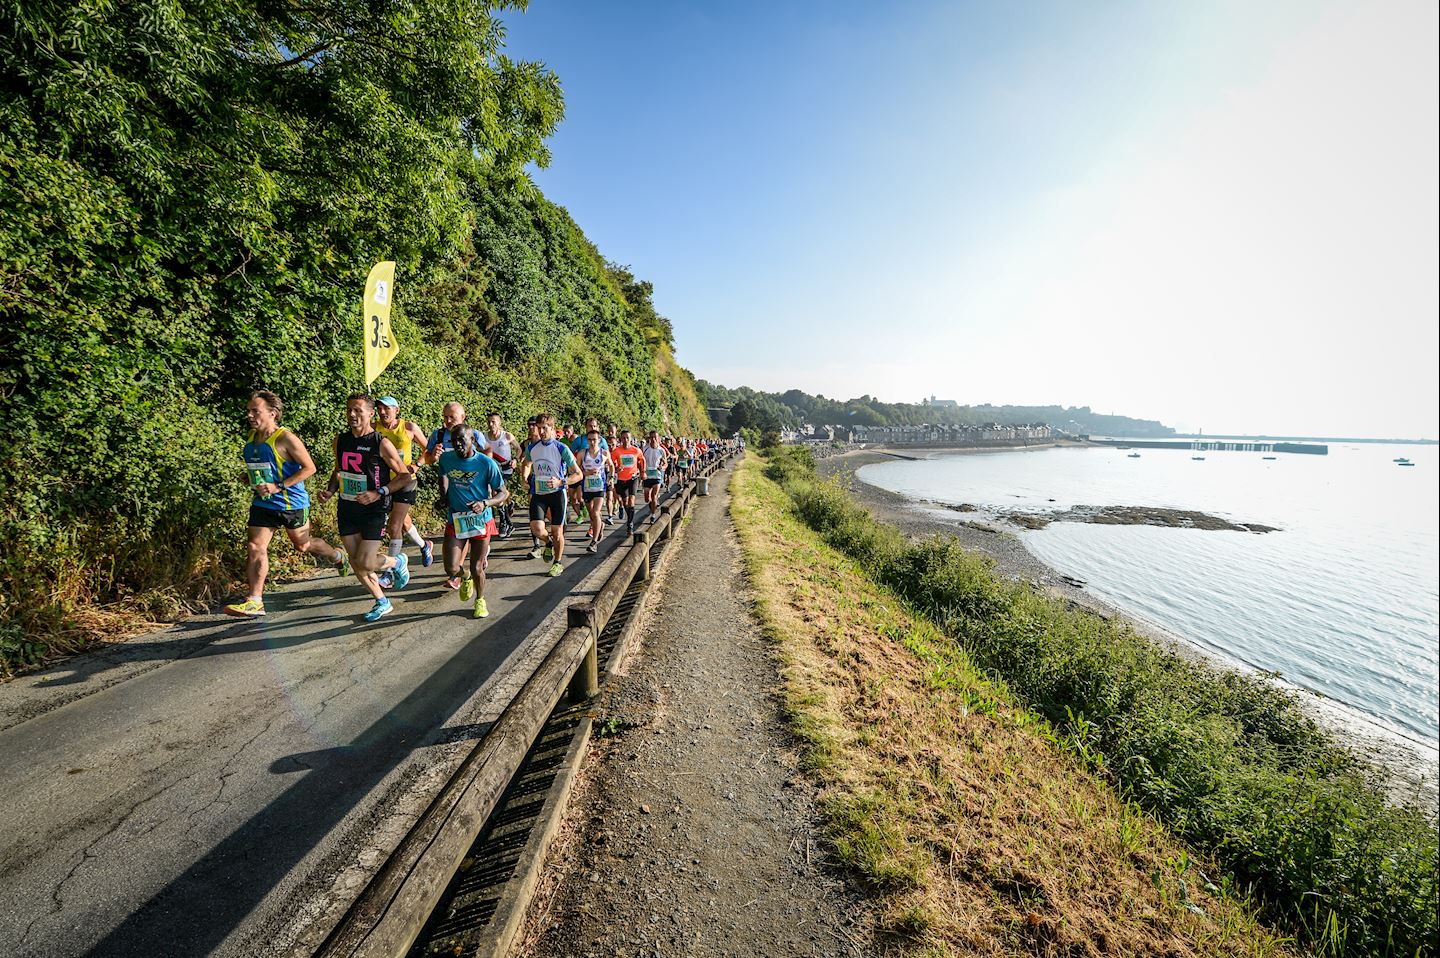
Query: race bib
[(259, 472), (351, 485), (467, 524), (652, 473), (594, 483), (627, 461)]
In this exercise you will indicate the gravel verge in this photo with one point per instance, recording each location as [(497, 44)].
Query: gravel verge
[(691, 830)]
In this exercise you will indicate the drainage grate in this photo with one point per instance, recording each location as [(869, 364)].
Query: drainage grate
[(474, 893)]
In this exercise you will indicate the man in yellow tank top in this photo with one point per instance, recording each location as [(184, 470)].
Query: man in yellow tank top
[(409, 441)]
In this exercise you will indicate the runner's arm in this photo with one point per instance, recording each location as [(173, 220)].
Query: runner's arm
[(296, 451), (416, 436), (432, 449), (402, 477), (333, 485)]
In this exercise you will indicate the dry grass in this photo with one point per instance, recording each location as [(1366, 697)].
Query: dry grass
[(977, 836)]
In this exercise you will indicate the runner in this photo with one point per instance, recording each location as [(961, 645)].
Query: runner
[(532, 436), (452, 414), (503, 449), (626, 456), (552, 469), (578, 502), (364, 463), (611, 441), (595, 467), (655, 458), (277, 464), (408, 440), (476, 487)]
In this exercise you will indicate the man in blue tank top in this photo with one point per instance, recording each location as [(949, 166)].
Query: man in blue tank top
[(277, 465)]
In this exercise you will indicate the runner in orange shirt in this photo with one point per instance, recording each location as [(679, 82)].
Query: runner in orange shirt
[(627, 458)]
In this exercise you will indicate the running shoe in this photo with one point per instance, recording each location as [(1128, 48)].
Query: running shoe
[(452, 584), (381, 607), (593, 547), (654, 519), (342, 568), (533, 553), (481, 610), (555, 569), (427, 553), (507, 533), (549, 554), (630, 527), (467, 590), (402, 571), (387, 579), (249, 609)]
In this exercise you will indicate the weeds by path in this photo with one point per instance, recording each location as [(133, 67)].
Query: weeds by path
[(945, 795)]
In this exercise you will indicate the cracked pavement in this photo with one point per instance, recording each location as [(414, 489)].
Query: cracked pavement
[(225, 787)]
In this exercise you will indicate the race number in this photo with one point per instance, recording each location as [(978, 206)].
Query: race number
[(351, 485)]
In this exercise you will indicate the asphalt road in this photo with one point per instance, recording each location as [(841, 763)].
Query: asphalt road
[(224, 787)]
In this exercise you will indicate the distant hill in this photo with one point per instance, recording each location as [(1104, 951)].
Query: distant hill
[(746, 407)]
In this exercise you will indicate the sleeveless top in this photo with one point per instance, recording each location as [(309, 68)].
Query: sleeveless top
[(266, 463), (400, 438), (504, 446), (361, 470)]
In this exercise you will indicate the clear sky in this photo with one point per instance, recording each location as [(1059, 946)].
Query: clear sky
[(1219, 214)]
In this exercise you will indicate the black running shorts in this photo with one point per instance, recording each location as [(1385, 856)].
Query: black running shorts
[(549, 507), (263, 518), (365, 523)]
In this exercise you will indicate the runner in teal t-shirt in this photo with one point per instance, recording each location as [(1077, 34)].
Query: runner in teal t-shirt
[(474, 486)]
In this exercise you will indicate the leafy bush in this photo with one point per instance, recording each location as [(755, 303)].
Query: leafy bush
[(188, 210), (1227, 761)]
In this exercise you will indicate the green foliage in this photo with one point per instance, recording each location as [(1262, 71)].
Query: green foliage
[(1227, 761), (190, 201)]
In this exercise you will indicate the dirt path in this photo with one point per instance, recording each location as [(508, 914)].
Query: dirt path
[(692, 832)]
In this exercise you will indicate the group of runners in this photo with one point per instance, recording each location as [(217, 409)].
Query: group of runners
[(586, 476)]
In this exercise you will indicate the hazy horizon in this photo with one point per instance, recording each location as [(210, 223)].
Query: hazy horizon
[(1220, 216)]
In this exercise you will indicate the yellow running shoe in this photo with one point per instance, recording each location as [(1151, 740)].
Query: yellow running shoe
[(481, 610), (556, 569), (249, 609), (467, 589)]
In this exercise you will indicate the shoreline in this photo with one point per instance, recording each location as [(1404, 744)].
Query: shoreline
[(1413, 767)]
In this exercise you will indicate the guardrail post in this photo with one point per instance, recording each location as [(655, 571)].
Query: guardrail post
[(639, 542), (586, 682)]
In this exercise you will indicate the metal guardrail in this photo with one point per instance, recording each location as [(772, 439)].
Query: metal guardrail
[(389, 914)]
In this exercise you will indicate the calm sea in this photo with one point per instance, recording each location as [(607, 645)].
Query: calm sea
[(1342, 601)]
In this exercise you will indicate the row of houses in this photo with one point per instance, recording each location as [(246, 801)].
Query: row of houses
[(928, 433)]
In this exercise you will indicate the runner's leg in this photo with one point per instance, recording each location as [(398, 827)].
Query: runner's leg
[(257, 561)]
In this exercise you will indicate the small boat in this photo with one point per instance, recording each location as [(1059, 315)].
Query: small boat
[(1399, 459), (1122, 447), (1133, 455), (1197, 458), (1405, 463), (1269, 457)]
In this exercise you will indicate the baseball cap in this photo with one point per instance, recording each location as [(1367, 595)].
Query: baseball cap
[(390, 401)]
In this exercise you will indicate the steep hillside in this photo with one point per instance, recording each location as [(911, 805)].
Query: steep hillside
[(188, 210)]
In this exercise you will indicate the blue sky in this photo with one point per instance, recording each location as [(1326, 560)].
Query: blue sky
[(1222, 215)]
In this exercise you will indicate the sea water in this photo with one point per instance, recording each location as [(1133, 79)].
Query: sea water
[(1342, 601)]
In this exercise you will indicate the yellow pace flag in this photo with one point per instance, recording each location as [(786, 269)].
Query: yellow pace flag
[(380, 344)]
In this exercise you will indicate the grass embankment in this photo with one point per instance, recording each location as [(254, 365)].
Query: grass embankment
[(1039, 812)]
